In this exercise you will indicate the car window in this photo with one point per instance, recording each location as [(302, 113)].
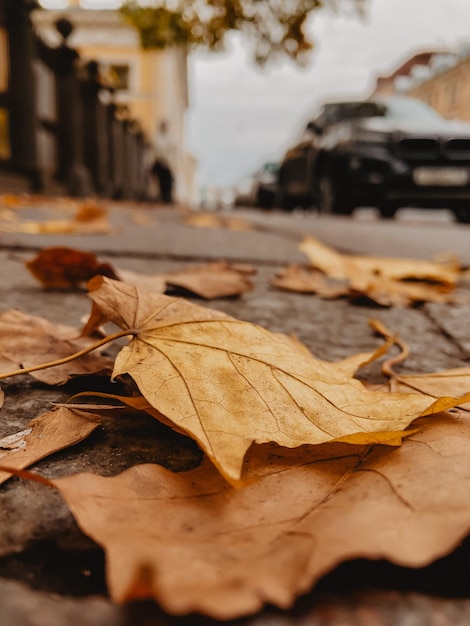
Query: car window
[(408, 108), (271, 167), (392, 108)]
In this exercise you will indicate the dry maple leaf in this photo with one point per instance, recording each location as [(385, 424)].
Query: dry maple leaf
[(211, 280), (454, 382), (66, 268), (10, 200), (88, 220), (387, 282), (229, 383), (212, 220), (195, 544), (390, 292), (308, 280), (53, 431), (90, 212), (347, 266), (28, 340), (381, 290)]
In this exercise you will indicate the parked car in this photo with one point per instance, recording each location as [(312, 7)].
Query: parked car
[(265, 185), (386, 152)]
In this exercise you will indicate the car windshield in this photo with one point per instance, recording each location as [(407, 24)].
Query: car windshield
[(392, 108), (407, 108)]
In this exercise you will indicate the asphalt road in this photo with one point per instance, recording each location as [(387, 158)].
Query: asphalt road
[(414, 233), (149, 231)]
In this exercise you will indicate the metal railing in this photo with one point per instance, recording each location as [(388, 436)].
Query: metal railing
[(99, 147), (65, 127)]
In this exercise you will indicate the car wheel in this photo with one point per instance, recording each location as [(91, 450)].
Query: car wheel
[(285, 201), (387, 211), (330, 200), (462, 215)]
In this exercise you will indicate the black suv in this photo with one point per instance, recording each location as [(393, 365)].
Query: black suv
[(384, 152)]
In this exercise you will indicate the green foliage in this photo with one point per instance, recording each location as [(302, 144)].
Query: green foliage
[(159, 27), (274, 27)]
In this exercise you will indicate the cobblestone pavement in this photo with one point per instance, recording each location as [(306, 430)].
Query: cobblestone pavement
[(51, 574)]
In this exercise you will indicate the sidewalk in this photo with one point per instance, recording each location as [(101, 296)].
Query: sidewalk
[(51, 574)]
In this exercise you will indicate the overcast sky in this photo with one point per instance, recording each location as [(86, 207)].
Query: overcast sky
[(241, 116)]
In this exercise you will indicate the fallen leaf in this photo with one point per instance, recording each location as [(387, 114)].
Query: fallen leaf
[(150, 282), (212, 220), (453, 382), (390, 292), (195, 544), (347, 266), (90, 212), (88, 220), (385, 281), (212, 280), (302, 279), (38, 228), (66, 268), (229, 383), (237, 223), (8, 215), (10, 200), (142, 219), (381, 290), (27, 340), (53, 431)]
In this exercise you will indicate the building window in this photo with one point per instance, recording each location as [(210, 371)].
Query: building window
[(4, 61), (118, 76), (5, 151)]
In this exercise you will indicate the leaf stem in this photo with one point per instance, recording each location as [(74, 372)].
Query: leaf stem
[(26, 474), (72, 357), (387, 366)]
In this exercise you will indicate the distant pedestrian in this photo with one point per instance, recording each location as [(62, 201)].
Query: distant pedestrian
[(164, 151)]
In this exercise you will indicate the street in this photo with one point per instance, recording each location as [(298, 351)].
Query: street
[(47, 565), (414, 233), (214, 414)]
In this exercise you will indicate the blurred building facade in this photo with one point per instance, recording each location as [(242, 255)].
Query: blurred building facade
[(152, 85), (441, 78), (18, 154)]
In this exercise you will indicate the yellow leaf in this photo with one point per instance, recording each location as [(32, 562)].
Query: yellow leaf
[(229, 383), (212, 280), (213, 220), (392, 292), (90, 219), (347, 266), (435, 385), (195, 544), (53, 431), (28, 340), (308, 280)]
